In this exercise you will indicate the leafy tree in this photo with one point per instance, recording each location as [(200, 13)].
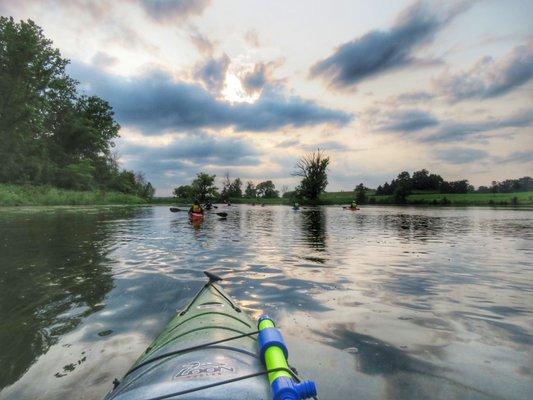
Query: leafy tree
[(289, 195), (33, 87), (203, 187), (124, 182), (231, 189), (434, 181), (250, 191), (77, 176), (48, 133), (183, 192), (461, 186), (147, 191), (86, 130), (236, 188), (144, 188), (312, 168), (360, 194), (267, 189), (524, 184), (402, 187)]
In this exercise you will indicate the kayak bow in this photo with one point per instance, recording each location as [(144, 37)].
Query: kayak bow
[(214, 350)]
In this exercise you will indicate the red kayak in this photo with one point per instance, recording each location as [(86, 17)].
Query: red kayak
[(196, 216), (351, 208)]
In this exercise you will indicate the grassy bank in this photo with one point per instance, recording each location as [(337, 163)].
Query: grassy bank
[(22, 195), (462, 199), (332, 198), (466, 199)]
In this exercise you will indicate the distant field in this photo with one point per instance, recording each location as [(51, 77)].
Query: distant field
[(524, 198), (25, 195), (337, 197), (467, 199), (517, 198)]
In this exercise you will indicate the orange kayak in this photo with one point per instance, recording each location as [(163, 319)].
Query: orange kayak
[(195, 216)]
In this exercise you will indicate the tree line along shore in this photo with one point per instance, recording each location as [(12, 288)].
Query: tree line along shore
[(506, 193), (420, 188), (417, 198)]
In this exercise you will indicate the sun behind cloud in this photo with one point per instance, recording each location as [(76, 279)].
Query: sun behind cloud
[(234, 91)]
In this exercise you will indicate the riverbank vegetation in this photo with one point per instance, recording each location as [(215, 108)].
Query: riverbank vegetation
[(32, 195), (420, 188), (52, 136)]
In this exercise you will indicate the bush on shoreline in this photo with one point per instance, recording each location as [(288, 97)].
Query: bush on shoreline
[(27, 195)]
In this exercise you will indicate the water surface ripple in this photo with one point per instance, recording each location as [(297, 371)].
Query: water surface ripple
[(384, 303)]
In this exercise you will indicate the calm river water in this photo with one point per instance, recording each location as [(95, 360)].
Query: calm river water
[(384, 303)]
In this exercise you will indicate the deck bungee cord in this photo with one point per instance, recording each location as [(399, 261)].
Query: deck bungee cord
[(193, 358)]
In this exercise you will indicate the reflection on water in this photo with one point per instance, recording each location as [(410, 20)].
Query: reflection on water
[(384, 303)]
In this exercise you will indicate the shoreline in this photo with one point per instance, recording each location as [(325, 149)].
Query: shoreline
[(28, 195)]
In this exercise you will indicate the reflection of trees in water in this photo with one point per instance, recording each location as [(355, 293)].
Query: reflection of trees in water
[(314, 229), (54, 273)]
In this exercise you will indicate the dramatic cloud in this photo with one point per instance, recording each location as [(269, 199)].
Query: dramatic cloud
[(196, 148), (450, 131), (518, 157), (408, 121), (489, 78), (378, 52), (259, 77), (460, 155), (213, 73), (424, 127), (154, 102), (166, 10)]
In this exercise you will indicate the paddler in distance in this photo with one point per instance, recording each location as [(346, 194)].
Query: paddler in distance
[(196, 208), (353, 205)]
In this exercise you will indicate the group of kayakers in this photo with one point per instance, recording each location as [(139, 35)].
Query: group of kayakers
[(197, 208)]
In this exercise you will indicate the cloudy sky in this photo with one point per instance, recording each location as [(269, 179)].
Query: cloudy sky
[(246, 87)]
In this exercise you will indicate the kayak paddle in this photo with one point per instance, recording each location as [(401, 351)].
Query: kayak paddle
[(176, 209)]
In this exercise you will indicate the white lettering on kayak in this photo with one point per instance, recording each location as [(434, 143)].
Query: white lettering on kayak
[(203, 369)]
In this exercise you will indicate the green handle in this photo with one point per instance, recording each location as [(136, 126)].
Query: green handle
[(274, 356)]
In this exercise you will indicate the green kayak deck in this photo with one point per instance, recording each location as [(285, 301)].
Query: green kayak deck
[(178, 363)]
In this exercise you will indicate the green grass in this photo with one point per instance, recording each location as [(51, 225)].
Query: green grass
[(421, 198), (466, 199), (28, 195), (475, 199)]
